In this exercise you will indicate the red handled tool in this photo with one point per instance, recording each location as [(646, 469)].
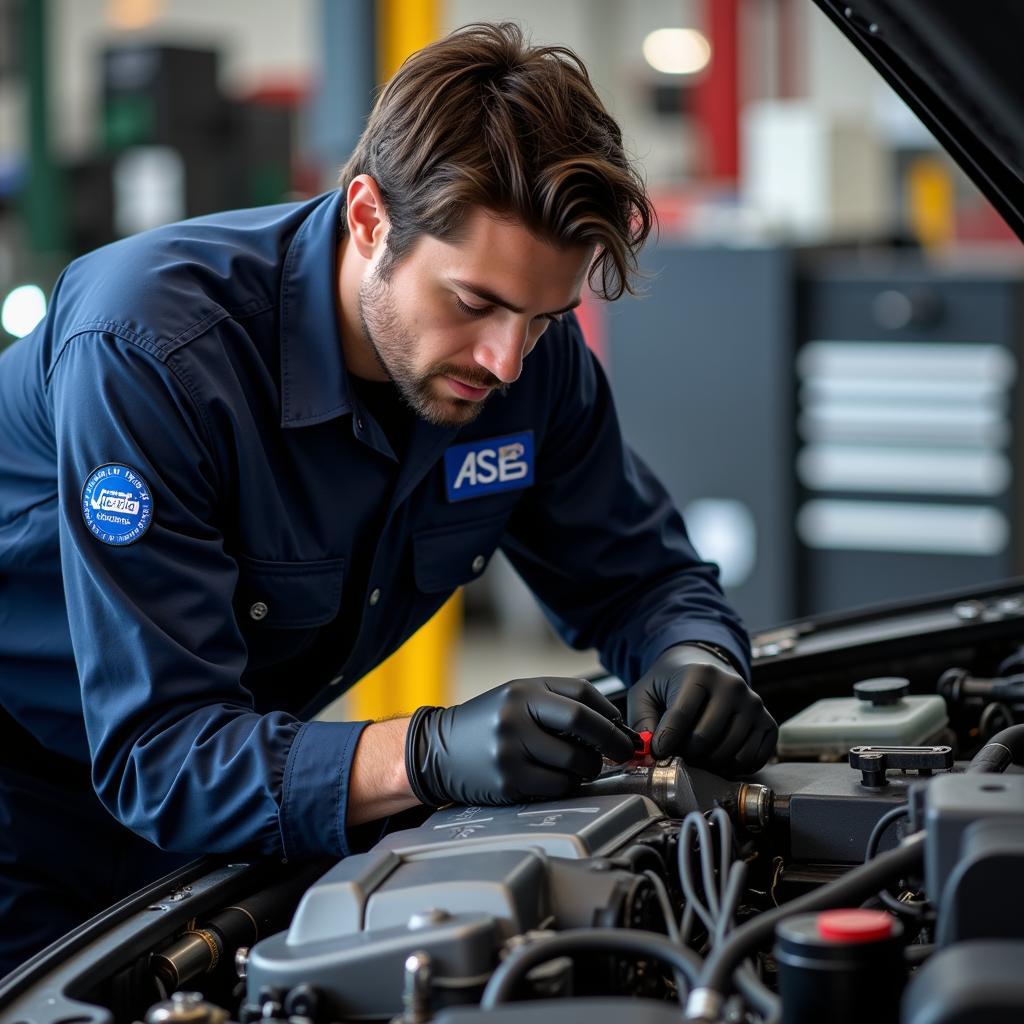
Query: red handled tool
[(643, 748), (641, 740)]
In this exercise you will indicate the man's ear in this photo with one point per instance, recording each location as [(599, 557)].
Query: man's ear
[(366, 216)]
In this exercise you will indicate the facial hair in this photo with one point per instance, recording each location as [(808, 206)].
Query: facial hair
[(394, 347)]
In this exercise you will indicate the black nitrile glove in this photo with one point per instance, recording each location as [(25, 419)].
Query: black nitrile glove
[(526, 738), (699, 707)]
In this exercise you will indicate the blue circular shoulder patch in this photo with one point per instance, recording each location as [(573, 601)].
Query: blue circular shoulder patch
[(116, 504)]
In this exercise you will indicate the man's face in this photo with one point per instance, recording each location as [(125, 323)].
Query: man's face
[(453, 321)]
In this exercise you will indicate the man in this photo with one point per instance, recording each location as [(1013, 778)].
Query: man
[(244, 457)]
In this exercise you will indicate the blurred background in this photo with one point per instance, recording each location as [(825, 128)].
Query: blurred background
[(823, 370)]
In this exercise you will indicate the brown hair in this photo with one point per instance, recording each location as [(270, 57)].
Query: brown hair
[(481, 118)]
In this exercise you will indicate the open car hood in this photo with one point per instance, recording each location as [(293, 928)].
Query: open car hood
[(957, 65)]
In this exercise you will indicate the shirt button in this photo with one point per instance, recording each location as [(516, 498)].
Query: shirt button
[(374, 596), (478, 563), (258, 611)]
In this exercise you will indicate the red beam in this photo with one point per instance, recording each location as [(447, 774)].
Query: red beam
[(716, 99)]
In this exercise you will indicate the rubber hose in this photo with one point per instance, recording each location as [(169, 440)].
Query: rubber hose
[(1004, 749), (855, 886), (585, 940)]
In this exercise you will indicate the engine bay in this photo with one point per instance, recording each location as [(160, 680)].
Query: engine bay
[(871, 870)]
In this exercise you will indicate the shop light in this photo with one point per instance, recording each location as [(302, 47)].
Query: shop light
[(677, 51), (131, 15), (23, 308)]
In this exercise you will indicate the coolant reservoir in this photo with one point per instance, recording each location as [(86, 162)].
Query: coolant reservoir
[(881, 713)]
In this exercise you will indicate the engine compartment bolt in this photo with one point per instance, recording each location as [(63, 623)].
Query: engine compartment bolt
[(241, 962), (416, 997), (428, 917)]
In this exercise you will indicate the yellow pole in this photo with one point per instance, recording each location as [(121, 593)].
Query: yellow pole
[(403, 27), (419, 672)]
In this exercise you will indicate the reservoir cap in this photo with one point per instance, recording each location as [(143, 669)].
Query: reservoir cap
[(884, 690), (854, 925)]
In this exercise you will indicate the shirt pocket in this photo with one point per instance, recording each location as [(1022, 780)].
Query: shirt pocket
[(288, 595), (446, 557)]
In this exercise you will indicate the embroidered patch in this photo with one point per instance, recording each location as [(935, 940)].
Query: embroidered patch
[(116, 504), (490, 465)]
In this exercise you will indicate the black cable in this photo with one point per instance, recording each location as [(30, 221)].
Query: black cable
[(745, 978), (695, 825), (700, 891), (987, 725), (686, 924), (1002, 750), (735, 882), (859, 883), (914, 955), (913, 910), (661, 891), (757, 994), (720, 818), (880, 827), (665, 903), (718, 908), (713, 882), (723, 897), (512, 971)]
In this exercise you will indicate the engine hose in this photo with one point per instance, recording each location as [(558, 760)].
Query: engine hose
[(708, 997), (585, 940), (758, 995), (1004, 749)]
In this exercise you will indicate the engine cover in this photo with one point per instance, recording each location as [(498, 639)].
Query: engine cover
[(462, 885)]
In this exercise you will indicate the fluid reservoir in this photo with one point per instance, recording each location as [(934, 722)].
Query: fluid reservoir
[(840, 966), (880, 713)]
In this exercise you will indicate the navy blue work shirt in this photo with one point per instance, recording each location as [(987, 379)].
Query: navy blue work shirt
[(191, 491)]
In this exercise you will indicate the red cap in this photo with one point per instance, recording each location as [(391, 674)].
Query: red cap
[(854, 925), (645, 750)]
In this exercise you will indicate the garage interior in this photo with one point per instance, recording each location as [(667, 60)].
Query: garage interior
[(823, 370)]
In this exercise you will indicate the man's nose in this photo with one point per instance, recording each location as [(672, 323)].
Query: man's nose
[(502, 352)]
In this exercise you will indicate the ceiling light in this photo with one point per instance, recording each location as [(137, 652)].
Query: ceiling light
[(129, 15), (677, 51), (23, 308)]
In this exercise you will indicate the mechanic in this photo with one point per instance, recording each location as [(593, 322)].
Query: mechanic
[(244, 457)]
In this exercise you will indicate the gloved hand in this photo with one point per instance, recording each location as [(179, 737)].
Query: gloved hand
[(525, 738), (702, 709)]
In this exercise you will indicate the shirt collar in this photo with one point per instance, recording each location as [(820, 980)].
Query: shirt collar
[(314, 381)]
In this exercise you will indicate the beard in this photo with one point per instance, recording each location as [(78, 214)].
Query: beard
[(394, 347)]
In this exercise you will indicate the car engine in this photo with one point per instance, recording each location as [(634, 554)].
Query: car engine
[(873, 871)]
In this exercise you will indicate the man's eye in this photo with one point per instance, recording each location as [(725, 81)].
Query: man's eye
[(471, 310)]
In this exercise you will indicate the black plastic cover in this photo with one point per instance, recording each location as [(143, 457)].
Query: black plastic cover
[(991, 862), (969, 983)]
